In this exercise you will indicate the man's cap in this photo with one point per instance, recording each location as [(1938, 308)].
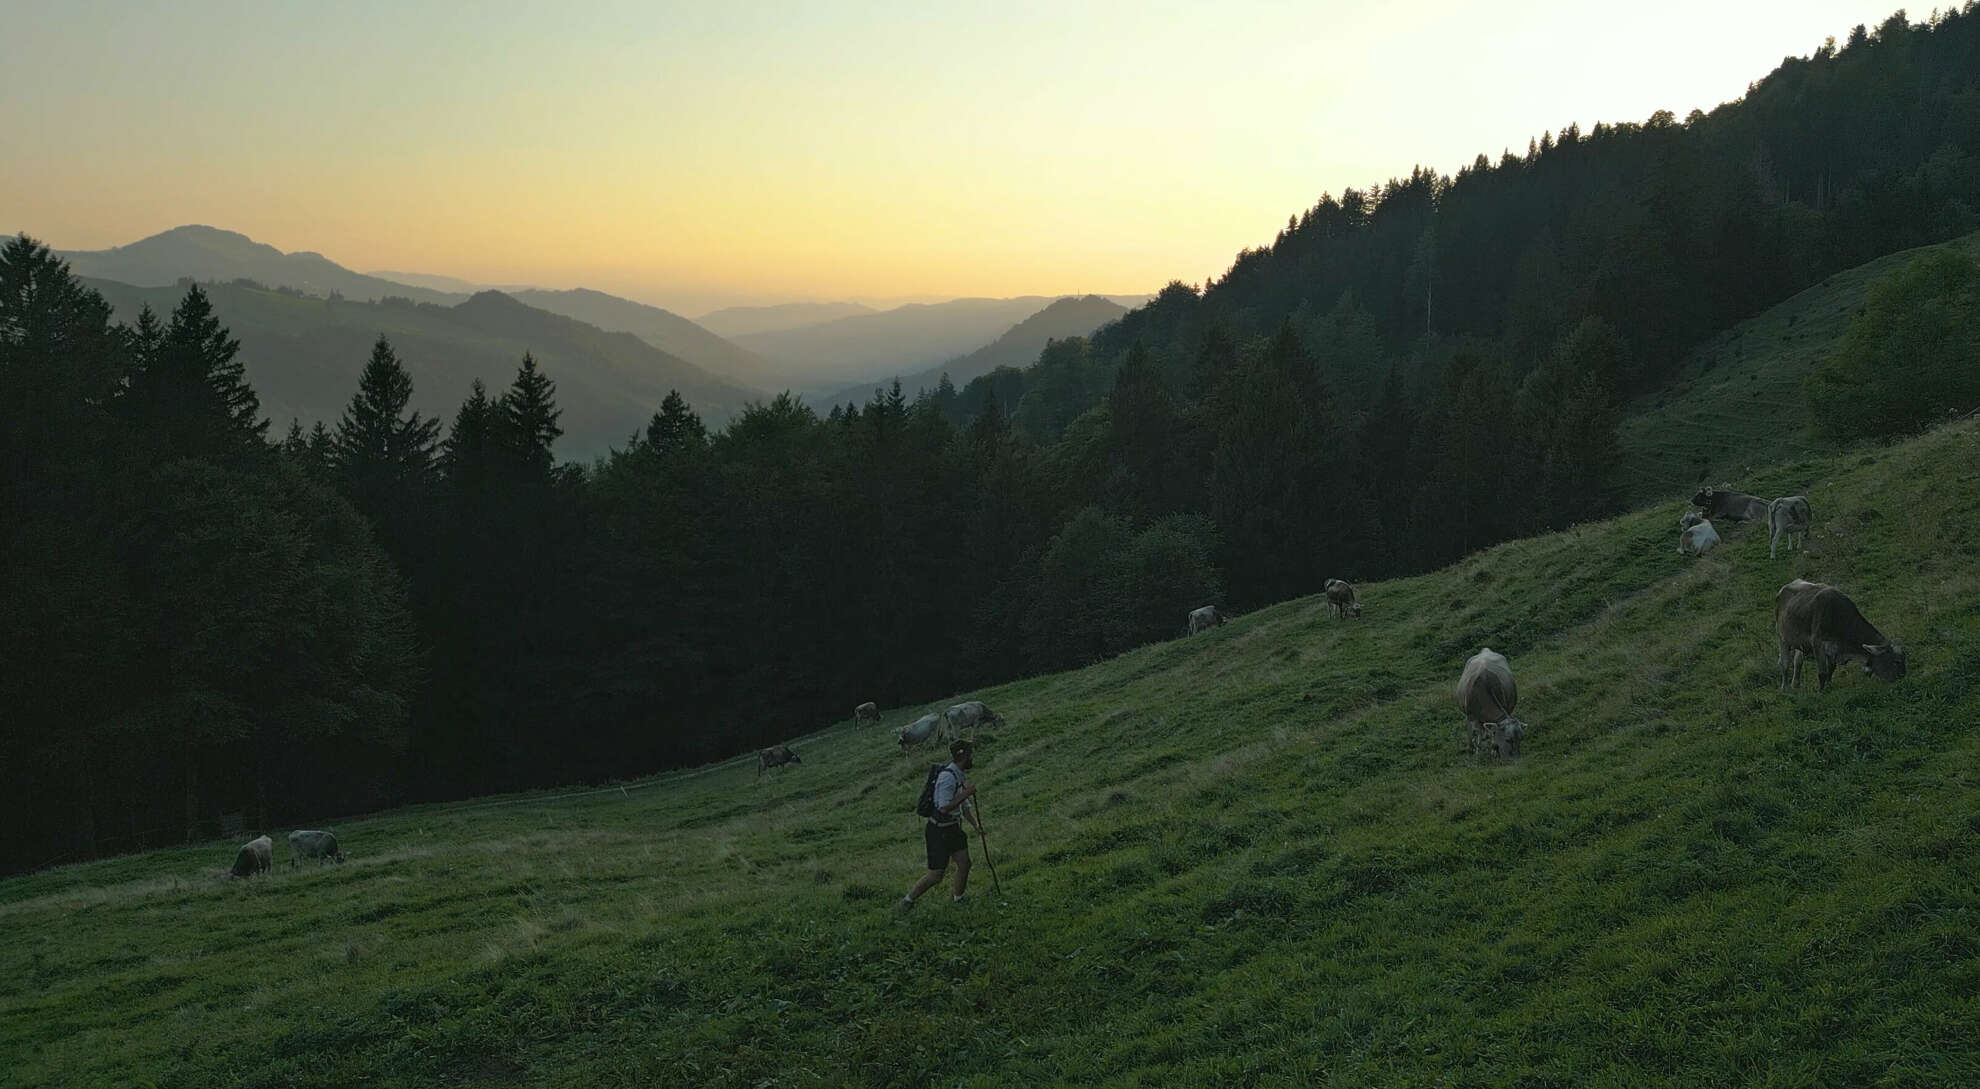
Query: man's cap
[(959, 747)]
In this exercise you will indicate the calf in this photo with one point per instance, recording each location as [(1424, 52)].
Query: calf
[(310, 843), (1697, 539), (1486, 694), (1787, 517), (918, 731), (1818, 620), (1730, 506), (776, 756), (1341, 600), (256, 856)]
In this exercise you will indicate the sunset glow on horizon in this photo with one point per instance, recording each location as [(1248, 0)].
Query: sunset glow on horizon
[(696, 157)]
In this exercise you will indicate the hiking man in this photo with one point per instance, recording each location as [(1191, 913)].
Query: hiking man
[(944, 832)]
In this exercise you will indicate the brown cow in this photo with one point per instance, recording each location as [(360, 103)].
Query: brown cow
[(1730, 506), (1817, 620), (1486, 694), (776, 756), (1341, 600)]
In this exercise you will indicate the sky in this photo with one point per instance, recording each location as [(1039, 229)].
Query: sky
[(699, 155)]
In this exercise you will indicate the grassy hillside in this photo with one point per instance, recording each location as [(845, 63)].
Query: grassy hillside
[(1737, 403), (1255, 856)]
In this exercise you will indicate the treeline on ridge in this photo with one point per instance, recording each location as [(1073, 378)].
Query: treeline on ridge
[(208, 622)]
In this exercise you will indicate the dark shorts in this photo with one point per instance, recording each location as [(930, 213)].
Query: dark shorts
[(944, 840)]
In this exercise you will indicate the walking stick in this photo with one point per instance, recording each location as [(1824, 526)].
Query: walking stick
[(976, 818)]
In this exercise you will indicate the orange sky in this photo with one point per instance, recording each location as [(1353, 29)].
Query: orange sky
[(695, 158)]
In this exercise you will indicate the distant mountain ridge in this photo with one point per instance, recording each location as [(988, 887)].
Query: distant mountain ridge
[(304, 353), (1017, 347), (904, 340), (209, 253), (735, 321), (663, 329), (807, 347)]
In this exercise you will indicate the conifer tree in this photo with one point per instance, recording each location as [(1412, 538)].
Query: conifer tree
[(676, 432), (379, 445), (472, 441), (383, 454), (189, 391), (529, 415)]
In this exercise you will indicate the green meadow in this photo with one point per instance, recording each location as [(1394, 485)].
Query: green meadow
[(1256, 856), (1738, 404)]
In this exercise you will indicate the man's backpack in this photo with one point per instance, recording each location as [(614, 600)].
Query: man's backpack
[(925, 805)]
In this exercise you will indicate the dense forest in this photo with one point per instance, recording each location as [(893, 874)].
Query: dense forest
[(204, 619)]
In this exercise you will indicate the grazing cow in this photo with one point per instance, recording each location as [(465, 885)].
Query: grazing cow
[(1486, 694), (965, 715), (256, 856), (1341, 600), (776, 756), (1696, 540), (309, 843), (1787, 517), (1691, 518), (1818, 620), (918, 731), (866, 712), (1204, 619), (1730, 506)]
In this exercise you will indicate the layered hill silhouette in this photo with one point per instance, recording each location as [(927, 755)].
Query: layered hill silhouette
[(1017, 347), (303, 355), (665, 330), (209, 253), (906, 340), (737, 321)]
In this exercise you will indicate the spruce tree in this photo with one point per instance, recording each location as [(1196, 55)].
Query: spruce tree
[(189, 390), (383, 452), (676, 432), (529, 413)]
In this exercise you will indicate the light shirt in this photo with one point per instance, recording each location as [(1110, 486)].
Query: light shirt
[(947, 782)]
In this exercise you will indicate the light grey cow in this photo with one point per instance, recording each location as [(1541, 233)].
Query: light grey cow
[(919, 731), (313, 844), (1789, 517), (966, 715), (1487, 696), (255, 856), (1697, 539), (1204, 619), (1341, 600), (866, 712)]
